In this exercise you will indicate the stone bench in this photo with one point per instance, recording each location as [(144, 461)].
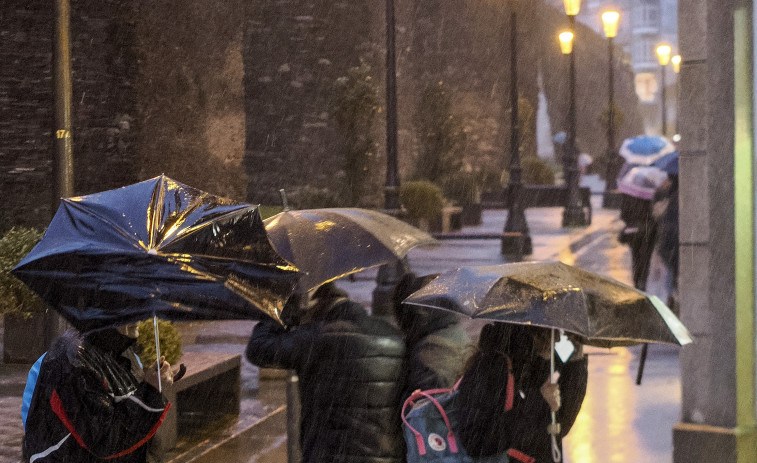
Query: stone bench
[(210, 389)]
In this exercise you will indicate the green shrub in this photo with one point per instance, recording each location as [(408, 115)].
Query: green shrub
[(536, 172), (355, 107), (440, 133), (15, 296), (422, 199), (169, 339), (309, 197), (462, 188)]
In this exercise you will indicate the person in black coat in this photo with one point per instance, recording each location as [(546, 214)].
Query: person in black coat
[(666, 214), (351, 370), (487, 424), (436, 342), (91, 401)]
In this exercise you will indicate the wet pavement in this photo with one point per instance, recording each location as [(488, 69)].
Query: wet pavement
[(619, 421)]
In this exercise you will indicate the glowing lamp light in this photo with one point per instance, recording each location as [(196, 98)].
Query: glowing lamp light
[(676, 62), (566, 42), (610, 21), (663, 54), (572, 7)]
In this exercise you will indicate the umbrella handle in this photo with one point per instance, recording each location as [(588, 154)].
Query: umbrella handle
[(554, 428), (157, 349)]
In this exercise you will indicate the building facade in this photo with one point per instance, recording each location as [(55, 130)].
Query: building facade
[(644, 24)]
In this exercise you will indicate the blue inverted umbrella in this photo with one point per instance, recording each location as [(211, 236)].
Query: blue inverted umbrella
[(643, 150), (157, 247)]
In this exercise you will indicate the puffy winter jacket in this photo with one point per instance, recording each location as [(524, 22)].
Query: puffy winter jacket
[(351, 370), (88, 406)]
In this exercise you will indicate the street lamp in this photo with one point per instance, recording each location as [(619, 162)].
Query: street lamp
[(676, 62), (516, 240), (391, 191), (663, 57), (573, 214), (610, 21)]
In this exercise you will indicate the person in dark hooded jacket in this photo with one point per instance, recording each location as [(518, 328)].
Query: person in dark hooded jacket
[(487, 424), (89, 404), (436, 341), (351, 374)]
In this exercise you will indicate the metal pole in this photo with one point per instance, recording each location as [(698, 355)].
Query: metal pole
[(391, 191), (294, 452), (63, 162), (573, 214), (662, 100), (611, 156), (63, 170), (516, 240)]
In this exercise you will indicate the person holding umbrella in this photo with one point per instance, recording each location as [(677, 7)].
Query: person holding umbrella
[(516, 358), (351, 369), (93, 401), (637, 181)]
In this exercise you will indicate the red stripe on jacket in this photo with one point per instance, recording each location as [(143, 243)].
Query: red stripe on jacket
[(57, 406)]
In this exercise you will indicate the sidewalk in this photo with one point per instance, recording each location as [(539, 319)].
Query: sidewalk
[(619, 421)]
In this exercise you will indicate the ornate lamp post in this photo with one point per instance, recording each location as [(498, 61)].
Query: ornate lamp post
[(676, 62), (663, 57), (391, 190), (573, 214), (516, 240), (610, 21)]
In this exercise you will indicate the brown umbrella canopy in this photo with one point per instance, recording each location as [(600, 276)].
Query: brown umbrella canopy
[(603, 311)]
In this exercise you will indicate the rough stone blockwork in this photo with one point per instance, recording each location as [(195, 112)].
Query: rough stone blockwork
[(102, 104)]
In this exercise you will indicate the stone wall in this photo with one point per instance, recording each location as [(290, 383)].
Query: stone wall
[(157, 88), (294, 52), (295, 49), (190, 94), (235, 99)]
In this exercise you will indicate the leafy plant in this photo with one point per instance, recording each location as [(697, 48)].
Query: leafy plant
[(462, 188), (527, 125), (537, 172), (354, 108), (440, 134), (422, 199), (168, 339), (15, 296)]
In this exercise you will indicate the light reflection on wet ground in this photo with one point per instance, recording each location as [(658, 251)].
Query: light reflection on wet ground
[(620, 421)]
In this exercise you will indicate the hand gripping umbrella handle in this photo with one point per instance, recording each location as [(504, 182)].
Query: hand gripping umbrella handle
[(554, 428)]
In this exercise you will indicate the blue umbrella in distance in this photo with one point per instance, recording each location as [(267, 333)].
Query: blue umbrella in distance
[(643, 150)]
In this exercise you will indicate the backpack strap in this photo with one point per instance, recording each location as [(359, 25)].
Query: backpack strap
[(510, 397), (410, 401), (520, 456)]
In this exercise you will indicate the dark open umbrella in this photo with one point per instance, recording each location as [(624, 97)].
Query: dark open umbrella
[(603, 311), (161, 248), (327, 244)]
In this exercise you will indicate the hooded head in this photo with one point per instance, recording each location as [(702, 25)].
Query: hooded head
[(416, 321), (323, 300)]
